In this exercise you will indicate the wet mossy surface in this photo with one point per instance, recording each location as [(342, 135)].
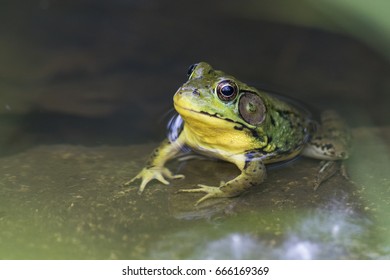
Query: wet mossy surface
[(65, 201)]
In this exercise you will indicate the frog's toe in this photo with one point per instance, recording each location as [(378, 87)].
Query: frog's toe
[(148, 174), (211, 192), (145, 181), (326, 171), (201, 188), (128, 183), (167, 173)]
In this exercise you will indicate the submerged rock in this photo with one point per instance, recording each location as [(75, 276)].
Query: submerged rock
[(65, 201)]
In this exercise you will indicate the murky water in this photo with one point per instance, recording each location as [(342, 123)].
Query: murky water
[(84, 87)]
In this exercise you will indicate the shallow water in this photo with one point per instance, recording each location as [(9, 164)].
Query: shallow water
[(84, 93)]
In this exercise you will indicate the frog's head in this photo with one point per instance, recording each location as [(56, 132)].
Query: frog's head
[(211, 96)]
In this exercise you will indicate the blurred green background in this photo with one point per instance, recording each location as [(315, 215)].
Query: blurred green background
[(367, 21)]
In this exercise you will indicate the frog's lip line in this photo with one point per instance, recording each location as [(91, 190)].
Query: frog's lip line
[(211, 115), (197, 112)]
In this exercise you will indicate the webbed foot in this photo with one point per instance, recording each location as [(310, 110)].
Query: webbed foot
[(328, 169), (211, 192), (148, 174)]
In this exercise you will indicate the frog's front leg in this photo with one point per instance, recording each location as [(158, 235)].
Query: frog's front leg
[(252, 173), (331, 143), (155, 168)]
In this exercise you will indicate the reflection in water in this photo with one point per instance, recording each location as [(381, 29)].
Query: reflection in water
[(324, 234), (333, 232)]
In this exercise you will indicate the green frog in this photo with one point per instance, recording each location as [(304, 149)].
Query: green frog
[(223, 118)]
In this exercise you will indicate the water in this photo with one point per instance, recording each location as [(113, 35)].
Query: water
[(84, 91)]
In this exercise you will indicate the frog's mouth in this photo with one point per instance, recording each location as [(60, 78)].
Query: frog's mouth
[(215, 119), (186, 111)]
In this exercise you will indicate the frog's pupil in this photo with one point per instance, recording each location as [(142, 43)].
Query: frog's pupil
[(227, 90)]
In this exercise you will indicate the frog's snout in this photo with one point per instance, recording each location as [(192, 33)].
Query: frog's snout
[(195, 92), (187, 91)]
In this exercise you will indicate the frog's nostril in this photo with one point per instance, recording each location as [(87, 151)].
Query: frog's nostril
[(195, 92)]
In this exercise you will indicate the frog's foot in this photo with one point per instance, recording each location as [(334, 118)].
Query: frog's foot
[(211, 192), (148, 174), (327, 170), (345, 173)]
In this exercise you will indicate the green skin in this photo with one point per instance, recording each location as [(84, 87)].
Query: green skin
[(245, 126)]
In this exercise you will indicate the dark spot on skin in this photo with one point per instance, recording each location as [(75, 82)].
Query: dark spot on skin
[(259, 137), (278, 150), (317, 145), (328, 146), (291, 117), (195, 92), (273, 121), (237, 127), (255, 134), (284, 114)]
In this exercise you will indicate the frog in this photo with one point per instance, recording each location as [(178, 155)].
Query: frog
[(223, 118)]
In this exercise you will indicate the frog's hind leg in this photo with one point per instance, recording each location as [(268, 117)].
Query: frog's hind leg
[(332, 139), (329, 143)]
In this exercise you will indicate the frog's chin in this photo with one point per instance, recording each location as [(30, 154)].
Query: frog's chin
[(188, 114), (178, 107)]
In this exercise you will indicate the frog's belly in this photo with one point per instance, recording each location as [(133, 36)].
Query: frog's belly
[(281, 157), (242, 155)]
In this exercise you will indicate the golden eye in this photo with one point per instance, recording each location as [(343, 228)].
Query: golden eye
[(227, 90)]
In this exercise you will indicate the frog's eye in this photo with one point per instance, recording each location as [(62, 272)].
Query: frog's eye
[(227, 90), (251, 108), (191, 69)]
